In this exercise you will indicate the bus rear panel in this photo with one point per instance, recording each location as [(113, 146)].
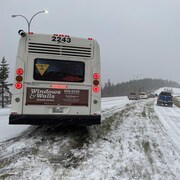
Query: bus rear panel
[(57, 81)]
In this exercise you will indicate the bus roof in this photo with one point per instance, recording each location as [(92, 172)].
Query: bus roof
[(58, 44), (59, 39)]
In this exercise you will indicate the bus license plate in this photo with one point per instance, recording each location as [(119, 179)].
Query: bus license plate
[(57, 110)]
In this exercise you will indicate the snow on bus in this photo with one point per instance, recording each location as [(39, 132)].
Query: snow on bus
[(57, 81)]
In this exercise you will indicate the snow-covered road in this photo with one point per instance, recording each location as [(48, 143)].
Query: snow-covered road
[(170, 118), (136, 140)]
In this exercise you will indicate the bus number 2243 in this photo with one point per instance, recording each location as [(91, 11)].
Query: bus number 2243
[(61, 39)]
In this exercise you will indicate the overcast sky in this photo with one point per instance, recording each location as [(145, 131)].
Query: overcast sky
[(138, 38)]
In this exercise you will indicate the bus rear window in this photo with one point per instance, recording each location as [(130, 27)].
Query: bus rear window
[(58, 70)]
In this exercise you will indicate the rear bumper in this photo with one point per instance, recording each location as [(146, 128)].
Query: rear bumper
[(164, 103), (79, 120), (133, 98), (143, 97)]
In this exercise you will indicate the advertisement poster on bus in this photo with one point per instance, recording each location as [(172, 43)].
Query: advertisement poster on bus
[(48, 96)]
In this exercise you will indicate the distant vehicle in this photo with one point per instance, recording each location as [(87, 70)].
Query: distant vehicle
[(133, 96), (143, 95), (151, 95), (57, 81), (165, 99)]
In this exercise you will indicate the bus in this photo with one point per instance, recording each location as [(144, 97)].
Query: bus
[(57, 81)]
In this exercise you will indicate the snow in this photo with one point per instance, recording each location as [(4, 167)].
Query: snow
[(8, 131), (136, 140), (170, 118), (175, 91), (112, 105)]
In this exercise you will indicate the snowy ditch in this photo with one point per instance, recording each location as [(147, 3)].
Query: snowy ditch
[(131, 143)]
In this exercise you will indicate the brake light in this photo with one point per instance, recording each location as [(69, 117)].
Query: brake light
[(19, 71), (96, 89), (96, 82), (19, 78), (13, 113), (18, 85), (61, 35), (96, 76), (57, 86)]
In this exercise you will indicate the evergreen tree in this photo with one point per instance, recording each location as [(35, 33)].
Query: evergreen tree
[(4, 74)]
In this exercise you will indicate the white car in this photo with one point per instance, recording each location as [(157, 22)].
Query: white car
[(133, 96), (143, 95)]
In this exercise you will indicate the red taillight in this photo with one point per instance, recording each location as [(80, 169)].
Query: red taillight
[(96, 89), (13, 113), (96, 76), (18, 85), (19, 78), (19, 71), (96, 82), (90, 39)]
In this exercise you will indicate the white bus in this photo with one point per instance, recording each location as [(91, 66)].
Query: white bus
[(57, 81)]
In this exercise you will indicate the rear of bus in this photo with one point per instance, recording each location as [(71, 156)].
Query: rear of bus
[(57, 81)]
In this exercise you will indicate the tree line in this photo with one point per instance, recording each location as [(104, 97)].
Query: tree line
[(4, 74), (147, 85)]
